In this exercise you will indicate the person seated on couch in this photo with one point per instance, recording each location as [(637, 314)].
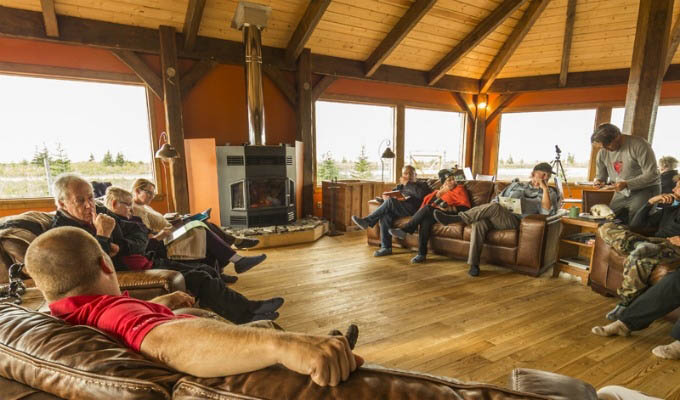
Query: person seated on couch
[(413, 192), (668, 169), (79, 282), (535, 196), (451, 198), (654, 303), (218, 242), (76, 208), (643, 253)]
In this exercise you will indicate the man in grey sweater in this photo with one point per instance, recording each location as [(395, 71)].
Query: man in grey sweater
[(630, 164)]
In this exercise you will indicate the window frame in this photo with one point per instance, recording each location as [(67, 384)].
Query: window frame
[(68, 74)]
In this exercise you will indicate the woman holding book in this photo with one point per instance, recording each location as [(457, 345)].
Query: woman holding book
[(450, 198)]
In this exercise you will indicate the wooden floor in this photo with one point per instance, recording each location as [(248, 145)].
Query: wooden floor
[(434, 318)]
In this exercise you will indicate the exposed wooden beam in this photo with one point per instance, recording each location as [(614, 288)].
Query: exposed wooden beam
[(145, 73), (192, 21), (603, 115), (410, 19), (321, 86), (399, 142), (194, 75), (504, 100), (479, 134), (674, 41), (465, 107), (521, 29), (647, 72), (172, 100), (481, 31), (566, 43), (71, 73), (50, 18), (305, 133), (305, 28), (282, 83)]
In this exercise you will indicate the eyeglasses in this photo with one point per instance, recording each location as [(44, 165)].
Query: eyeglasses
[(151, 193), (126, 203)]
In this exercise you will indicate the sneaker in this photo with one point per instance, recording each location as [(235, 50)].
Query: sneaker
[(267, 306), (474, 270), (228, 278), (246, 243), (382, 252), (398, 233), (265, 317), (446, 219), (246, 263), (360, 222), (418, 259), (614, 314)]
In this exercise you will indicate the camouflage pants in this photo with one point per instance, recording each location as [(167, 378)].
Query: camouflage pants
[(636, 270)]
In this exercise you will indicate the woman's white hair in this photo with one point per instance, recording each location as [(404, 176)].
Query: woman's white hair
[(668, 162), (61, 186)]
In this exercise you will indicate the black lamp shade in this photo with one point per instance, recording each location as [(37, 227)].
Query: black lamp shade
[(167, 152), (387, 153)]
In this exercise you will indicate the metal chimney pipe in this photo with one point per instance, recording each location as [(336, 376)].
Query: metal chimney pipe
[(252, 40)]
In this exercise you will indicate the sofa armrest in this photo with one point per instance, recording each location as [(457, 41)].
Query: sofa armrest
[(538, 242), (150, 283)]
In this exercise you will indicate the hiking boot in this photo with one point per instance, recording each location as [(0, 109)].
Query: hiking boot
[(474, 270), (360, 222), (382, 252), (418, 259)]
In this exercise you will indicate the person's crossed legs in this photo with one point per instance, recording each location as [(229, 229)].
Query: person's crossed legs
[(385, 215)]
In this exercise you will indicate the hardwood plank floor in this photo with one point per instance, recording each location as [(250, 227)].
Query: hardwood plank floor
[(434, 318)]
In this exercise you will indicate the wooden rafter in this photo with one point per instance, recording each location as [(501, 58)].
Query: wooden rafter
[(521, 29), (410, 19), (192, 22), (194, 75), (673, 44), (282, 83), (145, 73), (321, 86), (503, 101), (50, 18), (305, 28), (63, 72), (479, 33), (566, 44)]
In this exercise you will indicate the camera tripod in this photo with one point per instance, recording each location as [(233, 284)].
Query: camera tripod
[(558, 168)]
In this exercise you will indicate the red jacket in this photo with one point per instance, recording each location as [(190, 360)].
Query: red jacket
[(458, 196)]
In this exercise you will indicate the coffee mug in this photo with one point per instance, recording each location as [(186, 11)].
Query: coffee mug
[(574, 211)]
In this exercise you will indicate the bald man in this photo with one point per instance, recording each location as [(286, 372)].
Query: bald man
[(79, 282)]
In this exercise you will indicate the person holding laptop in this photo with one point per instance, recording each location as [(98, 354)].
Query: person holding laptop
[(524, 198)]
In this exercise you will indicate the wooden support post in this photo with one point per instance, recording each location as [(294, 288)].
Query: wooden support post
[(305, 133), (648, 67), (482, 102), (172, 99), (603, 115), (399, 138)]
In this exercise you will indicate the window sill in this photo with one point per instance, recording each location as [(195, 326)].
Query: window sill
[(40, 203)]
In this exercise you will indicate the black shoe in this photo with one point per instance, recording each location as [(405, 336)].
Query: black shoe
[(246, 243), (265, 317), (474, 270), (614, 314), (228, 278), (360, 222), (446, 219), (246, 263), (398, 233), (352, 335), (267, 306)]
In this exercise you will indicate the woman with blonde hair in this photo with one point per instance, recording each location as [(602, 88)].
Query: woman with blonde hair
[(218, 243)]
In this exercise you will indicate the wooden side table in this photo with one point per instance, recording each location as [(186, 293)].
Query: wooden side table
[(573, 251)]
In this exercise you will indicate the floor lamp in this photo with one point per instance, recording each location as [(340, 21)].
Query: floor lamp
[(167, 154), (387, 154)]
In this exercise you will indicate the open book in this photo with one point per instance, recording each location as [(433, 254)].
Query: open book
[(395, 194), (183, 225)]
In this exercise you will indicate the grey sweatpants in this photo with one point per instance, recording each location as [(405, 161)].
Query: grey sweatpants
[(483, 218), (633, 203)]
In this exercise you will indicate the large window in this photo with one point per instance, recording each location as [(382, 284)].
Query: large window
[(665, 139), (350, 138), (51, 126), (529, 138), (432, 140)]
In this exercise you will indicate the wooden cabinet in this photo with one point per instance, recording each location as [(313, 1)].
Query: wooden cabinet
[(351, 198), (575, 257)]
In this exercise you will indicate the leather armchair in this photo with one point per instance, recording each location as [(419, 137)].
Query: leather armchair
[(530, 249)]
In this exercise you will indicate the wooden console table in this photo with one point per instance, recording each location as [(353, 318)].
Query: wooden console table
[(575, 250)]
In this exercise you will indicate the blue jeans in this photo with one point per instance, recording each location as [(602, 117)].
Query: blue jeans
[(385, 214)]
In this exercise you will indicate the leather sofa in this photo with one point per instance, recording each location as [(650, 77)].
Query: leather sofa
[(21, 229), (530, 249), (44, 358), (607, 271)]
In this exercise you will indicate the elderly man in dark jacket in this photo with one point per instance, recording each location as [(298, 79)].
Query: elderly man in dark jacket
[(412, 194)]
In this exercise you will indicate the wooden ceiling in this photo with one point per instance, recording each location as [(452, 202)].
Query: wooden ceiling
[(603, 30)]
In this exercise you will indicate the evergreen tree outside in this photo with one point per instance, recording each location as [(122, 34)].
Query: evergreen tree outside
[(61, 163), (108, 159), (39, 156), (120, 159), (361, 168), (328, 169), (91, 159)]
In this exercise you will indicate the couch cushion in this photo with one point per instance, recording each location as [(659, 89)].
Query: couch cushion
[(504, 237), (453, 231), (75, 361), (480, 192), (369, 383), (12, 390)]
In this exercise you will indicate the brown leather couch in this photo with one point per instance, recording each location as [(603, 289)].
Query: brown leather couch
[(15, 240), (42, 357), (530, 249), (607, 271)]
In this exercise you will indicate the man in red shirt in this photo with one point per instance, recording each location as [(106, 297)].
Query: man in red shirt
[(78, 280)]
